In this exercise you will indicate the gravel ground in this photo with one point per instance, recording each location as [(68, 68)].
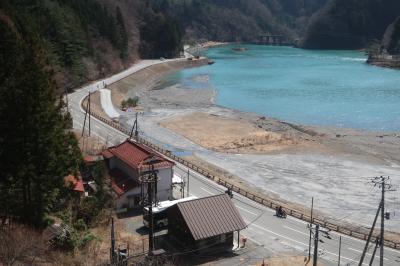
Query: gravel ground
[(335, 172)]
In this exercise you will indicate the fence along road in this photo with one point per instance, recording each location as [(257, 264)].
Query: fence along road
[(104, 128)]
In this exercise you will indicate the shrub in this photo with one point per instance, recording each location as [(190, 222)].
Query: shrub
[(131, 102)]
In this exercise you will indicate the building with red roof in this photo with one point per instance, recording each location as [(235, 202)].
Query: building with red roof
[(127, 162), (76, 184)]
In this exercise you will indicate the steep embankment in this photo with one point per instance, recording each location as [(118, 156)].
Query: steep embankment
[(350, 24), (240, 20)]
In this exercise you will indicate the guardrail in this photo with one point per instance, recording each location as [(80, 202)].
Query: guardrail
[(263, 201)]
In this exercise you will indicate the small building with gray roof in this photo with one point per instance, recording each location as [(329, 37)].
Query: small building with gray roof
[(205, 225)]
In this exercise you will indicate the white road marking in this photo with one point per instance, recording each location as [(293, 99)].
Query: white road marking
[(243, 209), (290, 239), (209, 192), (296, 230), (369, 254), (269, 231)]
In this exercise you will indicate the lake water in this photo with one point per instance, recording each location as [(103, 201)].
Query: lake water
[(329, 88)]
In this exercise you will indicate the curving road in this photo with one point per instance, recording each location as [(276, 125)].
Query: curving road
[(275, 235)]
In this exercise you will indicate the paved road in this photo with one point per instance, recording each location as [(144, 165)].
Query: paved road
[(275, 235)]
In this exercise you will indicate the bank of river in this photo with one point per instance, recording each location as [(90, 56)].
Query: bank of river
[(289, 162), (328, 88)]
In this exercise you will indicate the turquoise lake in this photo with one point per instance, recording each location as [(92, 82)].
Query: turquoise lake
[(329, 88)]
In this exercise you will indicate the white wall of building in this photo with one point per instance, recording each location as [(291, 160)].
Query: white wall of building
[(164, 184)]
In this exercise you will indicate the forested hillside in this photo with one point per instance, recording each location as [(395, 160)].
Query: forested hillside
[(350, 24), (392, 37), (45, 47), (240, 20), (85, 40), (36, 149)]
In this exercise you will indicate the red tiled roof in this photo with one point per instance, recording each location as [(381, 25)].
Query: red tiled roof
[(107, 155), (75, 183), (120, 182), (135, 154), (211, 216), (92, 158)]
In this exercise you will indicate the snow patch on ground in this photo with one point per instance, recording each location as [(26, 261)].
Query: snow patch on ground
[(106, 103)]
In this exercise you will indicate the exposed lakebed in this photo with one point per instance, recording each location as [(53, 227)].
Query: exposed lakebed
[(328, 88)]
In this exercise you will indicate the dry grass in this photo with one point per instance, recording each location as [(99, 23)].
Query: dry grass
[(228, 135), (287, 261)]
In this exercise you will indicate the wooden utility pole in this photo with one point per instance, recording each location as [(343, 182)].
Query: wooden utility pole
[(87, 113), (187, 189), (150, 178), (369, 236), (112, 249), (135, 128), (311, 223), (340, 249), (150, 199), (381, 182), (382, 238), (90, 113), (373, 254), (316, 240)]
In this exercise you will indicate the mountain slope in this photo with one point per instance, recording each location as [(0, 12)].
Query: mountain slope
[(391, 39), (350, 24), (240, 20), (86, 40)]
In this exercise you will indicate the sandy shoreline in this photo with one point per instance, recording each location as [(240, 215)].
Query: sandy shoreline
[(283, 161)]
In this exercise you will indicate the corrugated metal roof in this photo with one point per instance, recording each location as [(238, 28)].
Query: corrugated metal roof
[(134, 154), (211, 216)]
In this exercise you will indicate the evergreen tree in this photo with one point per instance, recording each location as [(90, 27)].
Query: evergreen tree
[(122, 43), (36, 148)]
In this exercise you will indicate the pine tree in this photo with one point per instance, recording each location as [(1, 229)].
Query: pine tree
[(122, 44), (36, 149)]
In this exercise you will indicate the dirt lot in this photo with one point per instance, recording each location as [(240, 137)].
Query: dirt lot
[(229, 135)]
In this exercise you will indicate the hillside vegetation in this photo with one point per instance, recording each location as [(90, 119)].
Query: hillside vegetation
[(240, 20), (350, 24), (85, 40)]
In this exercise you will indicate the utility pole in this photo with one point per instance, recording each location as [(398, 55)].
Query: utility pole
[(150, 178), (382, 238), (325, 233), (135, 128), (187, 189), (311, 223), (369, 236), (373, 254), (380, 182), (340, 249), (150, 199), (112, 249), (182, 187), (88, 111), (316, 240)]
